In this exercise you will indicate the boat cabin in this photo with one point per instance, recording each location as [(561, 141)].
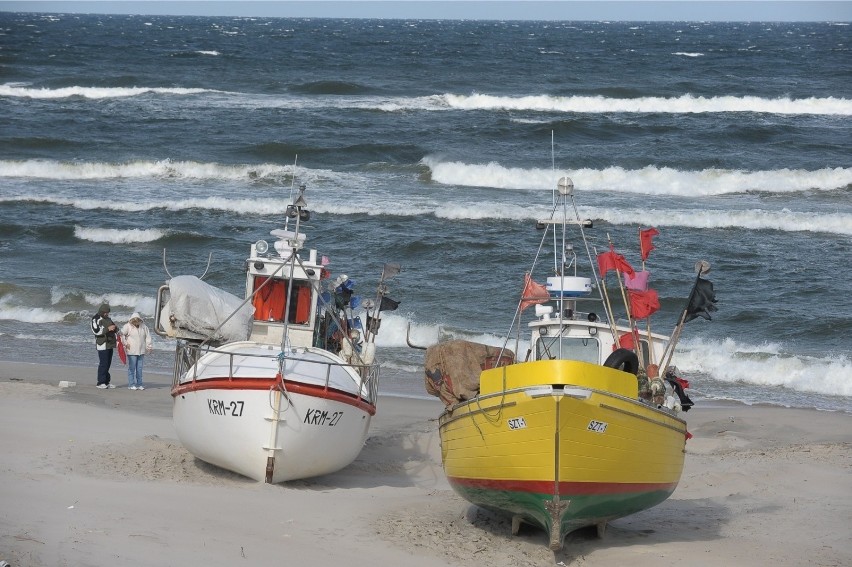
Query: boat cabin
[(583, 336), (283, 290)]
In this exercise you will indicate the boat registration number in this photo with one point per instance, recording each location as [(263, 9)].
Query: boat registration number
[(219, 407), (317, 417), (517, 423), (597, 426)]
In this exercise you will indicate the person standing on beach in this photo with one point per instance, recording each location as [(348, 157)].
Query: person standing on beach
[(104, 331), (137, 343)]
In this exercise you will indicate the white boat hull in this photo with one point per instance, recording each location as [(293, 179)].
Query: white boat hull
[(248, 420)]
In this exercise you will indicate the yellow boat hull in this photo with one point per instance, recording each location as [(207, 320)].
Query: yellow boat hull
[(561, 445)]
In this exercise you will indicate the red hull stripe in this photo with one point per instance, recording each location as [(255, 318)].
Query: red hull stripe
[(268, 383), (546, 487)]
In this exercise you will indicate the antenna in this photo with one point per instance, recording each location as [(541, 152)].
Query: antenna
[(292, 187)]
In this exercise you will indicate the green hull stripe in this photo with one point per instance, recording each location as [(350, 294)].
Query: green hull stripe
[(582, 509)]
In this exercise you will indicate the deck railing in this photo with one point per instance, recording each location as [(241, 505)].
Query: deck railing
[(187, 355)]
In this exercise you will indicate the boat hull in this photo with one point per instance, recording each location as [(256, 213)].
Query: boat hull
[(550, 448), (234, 411)]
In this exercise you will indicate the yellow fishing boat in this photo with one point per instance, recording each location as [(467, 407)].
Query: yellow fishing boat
[(585, 428)]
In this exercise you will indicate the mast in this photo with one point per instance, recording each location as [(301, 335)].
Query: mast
[(298, 210)]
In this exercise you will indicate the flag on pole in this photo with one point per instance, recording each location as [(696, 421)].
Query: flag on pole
[(613, 261), (388, 304), (626, 341), (638, 281), (390, 270), (702, 301), (645, 242), (533, 293), (643, 304)]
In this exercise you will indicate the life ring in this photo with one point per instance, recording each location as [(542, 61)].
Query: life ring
[(623, 359)]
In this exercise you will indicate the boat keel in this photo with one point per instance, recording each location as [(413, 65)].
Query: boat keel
[(270, 468), (556, 508)]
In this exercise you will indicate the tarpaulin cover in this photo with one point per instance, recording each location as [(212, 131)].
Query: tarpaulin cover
[(196, 310)]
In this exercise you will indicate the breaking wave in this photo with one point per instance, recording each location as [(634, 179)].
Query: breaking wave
[(18, 91), (60, 170), (650, 180), (766, 365), (683, 104), (119, 236)]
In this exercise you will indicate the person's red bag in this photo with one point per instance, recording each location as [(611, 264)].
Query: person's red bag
[(120, 346)]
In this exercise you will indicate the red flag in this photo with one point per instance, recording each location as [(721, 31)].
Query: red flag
[(613, 261), (533, 293), (643, 303), (645, 243), (626, 341)]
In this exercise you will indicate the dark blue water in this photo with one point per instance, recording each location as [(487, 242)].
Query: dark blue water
[(435, 145)]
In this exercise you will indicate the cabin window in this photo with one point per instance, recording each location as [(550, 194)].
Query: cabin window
[(271, 300), (585, 349)]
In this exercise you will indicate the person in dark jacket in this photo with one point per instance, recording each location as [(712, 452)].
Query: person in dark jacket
[(105, 342)]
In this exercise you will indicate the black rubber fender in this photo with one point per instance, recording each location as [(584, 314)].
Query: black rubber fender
[(623, 359)]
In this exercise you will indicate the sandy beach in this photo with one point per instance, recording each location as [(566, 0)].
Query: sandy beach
[(98, 478)]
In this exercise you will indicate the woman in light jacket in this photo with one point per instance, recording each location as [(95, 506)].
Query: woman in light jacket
[(137, 343)]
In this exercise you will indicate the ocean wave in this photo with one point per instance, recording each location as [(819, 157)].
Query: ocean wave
[(70, 306), (70, 339), (119, 236), (341, 95), (752, 219), (27, 314), (238, 206), (395, 326), (684, 104), (19, 91), (130, 302), (767, 365), (50, 169), (650, 180), (688, 54)]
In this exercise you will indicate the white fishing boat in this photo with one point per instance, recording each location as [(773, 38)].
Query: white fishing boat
[(271, 388)]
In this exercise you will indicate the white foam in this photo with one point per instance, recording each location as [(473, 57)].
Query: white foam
[(132, 302), (766, 365), (119, 236), (754, 219), (50, 169), (394, 328), (684, 104), (26, 314), (650, 180), (18, 91)]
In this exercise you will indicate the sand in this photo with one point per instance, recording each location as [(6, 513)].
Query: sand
[(98, 478)]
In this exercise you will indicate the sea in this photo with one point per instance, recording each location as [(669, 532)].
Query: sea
[(135, 148)]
